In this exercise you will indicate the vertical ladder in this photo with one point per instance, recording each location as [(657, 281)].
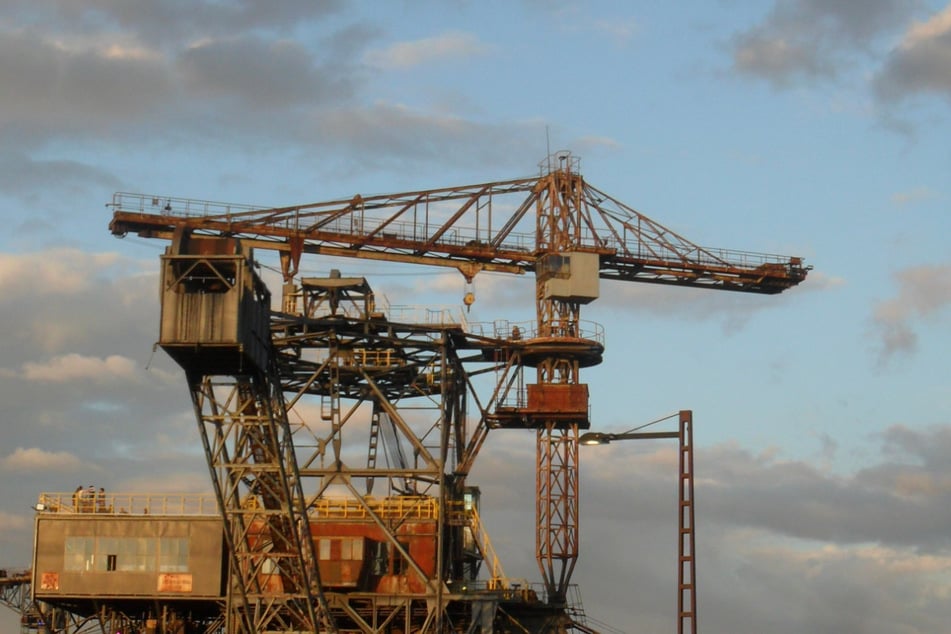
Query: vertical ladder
[(374, 441), (687, 596)]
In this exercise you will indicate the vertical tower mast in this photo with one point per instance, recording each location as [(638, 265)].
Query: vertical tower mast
[(558, 236)]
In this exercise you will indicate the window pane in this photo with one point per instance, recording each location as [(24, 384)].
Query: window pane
[(173, 554), (79, 553)]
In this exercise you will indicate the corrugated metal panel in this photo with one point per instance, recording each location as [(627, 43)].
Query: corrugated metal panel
[(101, 574), (215, 304)]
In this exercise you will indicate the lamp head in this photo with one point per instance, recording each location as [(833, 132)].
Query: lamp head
[(594, 438)]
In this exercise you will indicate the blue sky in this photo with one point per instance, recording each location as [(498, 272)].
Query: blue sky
[(800, 127)]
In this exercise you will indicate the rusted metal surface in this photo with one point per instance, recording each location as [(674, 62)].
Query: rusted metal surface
[(83, 557), (487, 226), (215, 311), (567, 232), (687, 563)]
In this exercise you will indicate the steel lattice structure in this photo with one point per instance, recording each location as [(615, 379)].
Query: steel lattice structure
[(556, 226)]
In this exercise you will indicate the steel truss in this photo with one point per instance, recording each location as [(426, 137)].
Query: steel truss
[(46, 618), (543, 225), (401, 391)]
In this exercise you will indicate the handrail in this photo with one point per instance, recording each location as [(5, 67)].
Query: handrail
[(127, 503), (401, 507), (497, 578)]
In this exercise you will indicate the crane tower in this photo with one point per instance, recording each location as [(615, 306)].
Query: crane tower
[(281, 394)]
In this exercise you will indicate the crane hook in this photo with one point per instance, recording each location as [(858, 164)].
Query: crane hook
[(469, 298)]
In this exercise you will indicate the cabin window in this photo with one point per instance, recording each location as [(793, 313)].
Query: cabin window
[(173, 554), (126, 554), (400, 565), (351, 548), (80, 553), (379, 558)]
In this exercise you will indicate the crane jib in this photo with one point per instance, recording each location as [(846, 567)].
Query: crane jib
[(468, 228)]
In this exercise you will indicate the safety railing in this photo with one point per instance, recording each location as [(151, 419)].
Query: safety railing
[(403, 507), (528, 330), (89, 501)]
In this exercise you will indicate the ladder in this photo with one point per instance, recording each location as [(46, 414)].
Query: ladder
[(687, 598)]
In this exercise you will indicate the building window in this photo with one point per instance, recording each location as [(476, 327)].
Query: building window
[(107, 551), (80, 553), (379, 558), (137, 554), (126, 554), (173, 554), (351, 548), (400, 564)]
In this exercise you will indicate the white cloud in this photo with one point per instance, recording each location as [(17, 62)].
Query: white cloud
[(921, 63), (255, 73), (72, 367), (452, 45), (812, 39), (923, 32), (54, 272), (923, 292), (34, 459)]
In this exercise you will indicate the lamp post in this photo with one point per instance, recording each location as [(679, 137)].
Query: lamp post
[(686, 568)]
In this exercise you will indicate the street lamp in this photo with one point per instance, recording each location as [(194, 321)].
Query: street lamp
[(687, 597), (601, 438)]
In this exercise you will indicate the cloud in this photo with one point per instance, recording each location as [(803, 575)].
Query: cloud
[(57, 272), (574, 18), (104, 91), (899, 501), (768, 527), (33, 180), (399, 136), (169, 65), (913, 196), (732, 310), (587, 145), (923, 292), (261, 74), (403, 55), (257, 84), (10, 522), (825, 588), (73, 367), (35, 459), (921, 64), (170, 23), (38, 288), (812, 39)]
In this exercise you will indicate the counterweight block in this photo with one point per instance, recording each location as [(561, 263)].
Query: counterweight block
[(215, 309)]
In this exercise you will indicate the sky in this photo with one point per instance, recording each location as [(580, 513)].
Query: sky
[(800, 127)]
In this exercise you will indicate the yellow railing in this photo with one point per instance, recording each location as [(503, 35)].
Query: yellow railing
[(497, 578), (127, 503), (468, 516), (405, 507)]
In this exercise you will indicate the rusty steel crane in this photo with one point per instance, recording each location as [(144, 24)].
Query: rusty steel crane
[(555, 225)]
